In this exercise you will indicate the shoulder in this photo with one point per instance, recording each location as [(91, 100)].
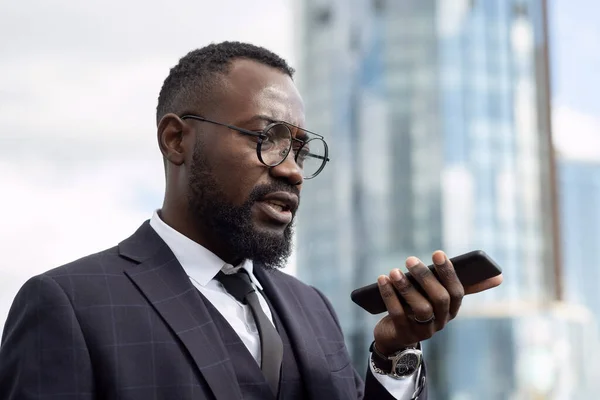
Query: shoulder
[(80, 278), (141, 245), (56, 287), (103, 262)]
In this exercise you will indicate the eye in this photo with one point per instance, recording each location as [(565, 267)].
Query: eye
[(258, 138), (302, 152), (267, 141), (300, 147)]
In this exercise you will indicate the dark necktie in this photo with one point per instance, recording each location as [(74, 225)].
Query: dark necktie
[(240, 287)]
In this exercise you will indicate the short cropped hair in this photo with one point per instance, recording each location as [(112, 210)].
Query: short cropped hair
[(193, 79)]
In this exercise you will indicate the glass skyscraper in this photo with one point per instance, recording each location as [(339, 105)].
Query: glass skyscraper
[(580, 224), (579, 183), (437, 116)]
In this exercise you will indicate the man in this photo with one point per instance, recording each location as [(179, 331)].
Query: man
[(192, 305)]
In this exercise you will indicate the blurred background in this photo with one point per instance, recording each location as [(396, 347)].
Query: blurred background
[(452, 124)]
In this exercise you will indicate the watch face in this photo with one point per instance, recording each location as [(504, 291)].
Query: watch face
[(408, 363)]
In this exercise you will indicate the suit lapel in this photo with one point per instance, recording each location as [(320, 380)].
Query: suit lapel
[(164, 283), (310, 356)]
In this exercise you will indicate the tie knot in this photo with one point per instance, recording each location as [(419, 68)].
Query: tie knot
[(238, 285)]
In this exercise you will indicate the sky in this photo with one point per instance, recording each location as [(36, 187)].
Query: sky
[(79, 165), (575, 63), (80, 169)]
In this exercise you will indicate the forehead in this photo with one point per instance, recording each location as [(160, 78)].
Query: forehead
[(251, 88)]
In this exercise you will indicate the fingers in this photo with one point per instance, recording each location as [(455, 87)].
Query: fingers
[(437, 296), (447, 277), (485, 285), (392, 303), (389, 296), (419, 308), (397, 329), (412, 302)]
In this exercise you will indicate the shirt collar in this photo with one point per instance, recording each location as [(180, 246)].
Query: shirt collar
[(199, 263)]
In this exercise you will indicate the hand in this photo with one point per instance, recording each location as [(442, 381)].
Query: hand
[(418, 313)]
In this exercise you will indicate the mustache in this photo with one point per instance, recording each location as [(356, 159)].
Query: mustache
[(278, 186)]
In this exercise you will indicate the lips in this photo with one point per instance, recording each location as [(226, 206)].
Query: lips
[(282, 201), (278, 207)]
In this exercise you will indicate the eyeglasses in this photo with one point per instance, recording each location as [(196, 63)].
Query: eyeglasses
[(276, 141)]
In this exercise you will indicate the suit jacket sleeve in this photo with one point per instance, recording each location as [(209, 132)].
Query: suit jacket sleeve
[(371, 389), (43, 353)]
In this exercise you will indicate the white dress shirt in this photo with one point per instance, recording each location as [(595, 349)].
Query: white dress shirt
[(201, 265)]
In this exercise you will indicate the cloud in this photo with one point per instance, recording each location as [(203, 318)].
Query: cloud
[(94, 102), (129, 30), (52, 217), (574, 66), (576, 134), (78, 90), (76, 77)]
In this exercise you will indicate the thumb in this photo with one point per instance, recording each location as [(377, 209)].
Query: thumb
[(484, 285)]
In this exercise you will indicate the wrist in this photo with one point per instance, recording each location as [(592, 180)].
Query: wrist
[(399, 365), (390, 350)]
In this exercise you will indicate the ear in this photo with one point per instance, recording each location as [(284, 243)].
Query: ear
[(171, 133)]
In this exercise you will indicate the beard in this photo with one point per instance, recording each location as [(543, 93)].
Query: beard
[(232, 226)]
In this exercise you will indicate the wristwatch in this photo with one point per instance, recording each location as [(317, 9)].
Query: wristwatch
[(400, 365)]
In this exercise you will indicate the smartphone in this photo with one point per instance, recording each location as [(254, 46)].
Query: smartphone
[(471, 268)]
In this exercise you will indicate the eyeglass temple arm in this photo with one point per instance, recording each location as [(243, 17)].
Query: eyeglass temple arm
[(317, 157), (235, 128), (251, 133)]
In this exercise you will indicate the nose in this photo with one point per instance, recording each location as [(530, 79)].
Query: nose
[(288, 170)]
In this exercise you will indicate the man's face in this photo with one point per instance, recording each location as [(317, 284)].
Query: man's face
[(248, 207)]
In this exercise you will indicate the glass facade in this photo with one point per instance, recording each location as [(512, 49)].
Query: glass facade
[(579, 183), (436, 112), (535, 354), (580, 227)]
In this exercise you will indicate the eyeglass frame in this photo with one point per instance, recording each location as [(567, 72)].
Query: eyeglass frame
[(262, 135)]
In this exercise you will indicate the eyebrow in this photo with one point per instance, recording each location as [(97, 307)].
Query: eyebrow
[(301, 134), (259, 118)]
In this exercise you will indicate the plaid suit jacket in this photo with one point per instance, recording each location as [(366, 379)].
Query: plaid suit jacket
[(127, 323)]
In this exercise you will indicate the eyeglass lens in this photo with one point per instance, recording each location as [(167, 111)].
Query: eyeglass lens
[(277, 143)]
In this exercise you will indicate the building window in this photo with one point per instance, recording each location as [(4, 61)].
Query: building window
[(379, 6), (322, 16)]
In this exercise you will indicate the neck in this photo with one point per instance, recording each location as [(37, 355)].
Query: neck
[(172, 215)]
